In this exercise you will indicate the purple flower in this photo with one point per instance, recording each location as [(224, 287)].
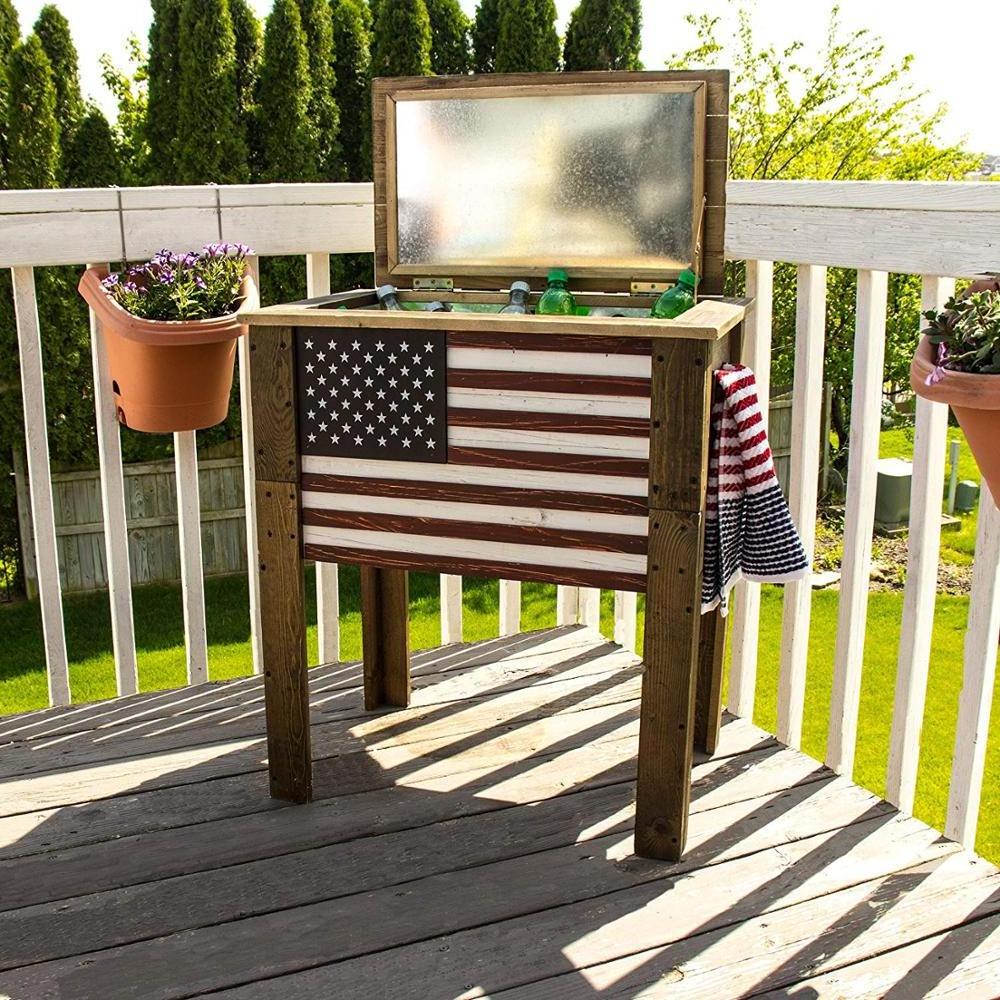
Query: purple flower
[(166, 276), (111, 280), (200, 283), (938, 373)]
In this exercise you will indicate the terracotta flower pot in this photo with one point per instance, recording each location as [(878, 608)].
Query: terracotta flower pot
[(166, 375), (975, 400)]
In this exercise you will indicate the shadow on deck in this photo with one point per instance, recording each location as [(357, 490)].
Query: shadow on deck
[(476, 844)]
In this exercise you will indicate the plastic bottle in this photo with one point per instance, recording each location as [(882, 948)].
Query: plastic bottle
[(437, 306), (557, 299), (518, 301), (386, 295), (677, 299)]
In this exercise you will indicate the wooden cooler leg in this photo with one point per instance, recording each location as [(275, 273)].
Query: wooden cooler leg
[(279, 562), (708, 703), (384, 635), (678, 471)]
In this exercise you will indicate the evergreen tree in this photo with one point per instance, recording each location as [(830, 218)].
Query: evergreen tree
[(33, 128), (53, 32), (247, 33), (484, 35), (317, 23), (604, 34), (450, 41), (10, 33), (402, 41), (527, 41), (352, 71), (290, 151), (92, 158), (164, 83), (211, 143)]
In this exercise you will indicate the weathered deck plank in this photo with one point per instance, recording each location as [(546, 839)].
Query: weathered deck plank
[(476, 844)]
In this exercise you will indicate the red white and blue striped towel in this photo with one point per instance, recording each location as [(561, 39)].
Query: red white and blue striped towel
[(749, 532)]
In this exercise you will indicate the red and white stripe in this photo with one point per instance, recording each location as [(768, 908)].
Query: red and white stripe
[(547, 473)]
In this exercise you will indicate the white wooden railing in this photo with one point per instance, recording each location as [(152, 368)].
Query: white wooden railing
[(940, 231)]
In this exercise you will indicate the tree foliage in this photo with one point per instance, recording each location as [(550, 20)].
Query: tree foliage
[(450, 38), (91, 159), (289, 146), (527, 41), (211, 143), (604, 34), (33, 154), (484, 35), (401, 45), (131, 127), (164, 75), (249, 42), (53, 32), (10, 33), (849, 114), (317, 24), (352, 73)]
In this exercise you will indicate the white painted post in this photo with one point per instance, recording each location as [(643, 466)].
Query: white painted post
[(192, 572), (327, 575), (510, 607), (567, 605), (590, 607), (626, 611), (979, 674), (807, 415), (859, 519), (451, 609), (249, 484), (923, 549), (112, 477), (746, 604), (29, 344)]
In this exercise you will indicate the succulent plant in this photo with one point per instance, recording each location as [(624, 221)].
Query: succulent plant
[(966, 334)]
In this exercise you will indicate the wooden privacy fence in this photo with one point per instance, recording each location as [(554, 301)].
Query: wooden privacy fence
[(151, 514)]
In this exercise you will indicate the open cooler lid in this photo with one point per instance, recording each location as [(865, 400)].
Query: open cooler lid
[(483, 180)]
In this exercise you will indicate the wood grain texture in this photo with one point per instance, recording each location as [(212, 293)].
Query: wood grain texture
[(585, 385), (272, 380), (385, 636), (557, 422), (567, 575), (283, 641), (602, 503), (708, 701), (549, 342), (548, 461), (669, 683)]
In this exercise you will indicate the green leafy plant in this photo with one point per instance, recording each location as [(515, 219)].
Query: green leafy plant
[(173, 286), (967, 335)]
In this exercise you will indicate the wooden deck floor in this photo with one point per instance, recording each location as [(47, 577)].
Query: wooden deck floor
[(477, 844)]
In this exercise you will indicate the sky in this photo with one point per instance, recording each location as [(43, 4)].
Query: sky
[(955, 58)]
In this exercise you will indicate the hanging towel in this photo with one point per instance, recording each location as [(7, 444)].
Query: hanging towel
[(749, 532)]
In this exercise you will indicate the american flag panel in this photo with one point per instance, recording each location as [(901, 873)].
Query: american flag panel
[(520, 456)]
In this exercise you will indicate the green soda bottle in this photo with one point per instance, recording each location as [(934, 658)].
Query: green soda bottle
[(677, 299), (557, 299)]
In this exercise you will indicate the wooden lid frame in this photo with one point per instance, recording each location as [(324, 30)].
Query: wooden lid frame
[(709, 156)]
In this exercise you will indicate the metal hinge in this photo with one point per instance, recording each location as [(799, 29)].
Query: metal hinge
[(434, 284), (649, 287)]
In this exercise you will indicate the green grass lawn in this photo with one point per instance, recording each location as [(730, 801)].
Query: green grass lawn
[(159, 627)]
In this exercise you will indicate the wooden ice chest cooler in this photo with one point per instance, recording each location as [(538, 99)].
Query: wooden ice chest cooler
[(567, 449)]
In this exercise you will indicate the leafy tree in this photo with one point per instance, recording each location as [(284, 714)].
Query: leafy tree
[(402, 41), (33, 129), (249, 40), (527, 41), (164, 90), (352, 71), (289, 143), (131, 127), (450, 38), (317, 23), (484, 35), (92, 158), (53, 32), (855, 117), (211, 142), (604, 34), (10, 33)]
